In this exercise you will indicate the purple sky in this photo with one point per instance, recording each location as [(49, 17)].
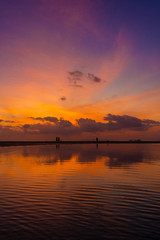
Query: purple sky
[(77, 60)]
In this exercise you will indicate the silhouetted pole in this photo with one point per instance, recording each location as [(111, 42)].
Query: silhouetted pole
[(97, 142)]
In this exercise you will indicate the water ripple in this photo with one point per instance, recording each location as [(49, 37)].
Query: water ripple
[(73, 199)]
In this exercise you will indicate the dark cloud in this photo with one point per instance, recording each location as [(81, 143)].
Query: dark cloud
[(94, 78), (118, 122), (38, 118), (26, 126), (53, 126), (90, 125), (7, 121), (51, 119), (64, 123), (86, 125), (63, 98), (11, 132), (60, 127), (74, 77), (58, 122), (77, 76), (48, 119), (63, 129)]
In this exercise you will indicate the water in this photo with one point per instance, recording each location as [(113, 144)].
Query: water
[(80, 192)]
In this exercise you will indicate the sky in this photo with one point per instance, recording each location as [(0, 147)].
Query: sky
[(79, 69)]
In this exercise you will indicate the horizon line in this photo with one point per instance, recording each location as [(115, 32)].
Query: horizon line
[(23, 143)]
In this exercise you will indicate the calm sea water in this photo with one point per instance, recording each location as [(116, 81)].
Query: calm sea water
[(80, 192)]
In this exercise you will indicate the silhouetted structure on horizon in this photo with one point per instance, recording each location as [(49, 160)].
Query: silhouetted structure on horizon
[(57, 139)]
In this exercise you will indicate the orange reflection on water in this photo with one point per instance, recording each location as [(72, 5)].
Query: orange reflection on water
[(111, 163)]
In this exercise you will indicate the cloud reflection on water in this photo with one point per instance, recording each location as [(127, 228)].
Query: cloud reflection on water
[(114, 156)]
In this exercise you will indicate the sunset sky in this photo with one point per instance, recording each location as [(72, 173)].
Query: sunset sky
[(79, 69)]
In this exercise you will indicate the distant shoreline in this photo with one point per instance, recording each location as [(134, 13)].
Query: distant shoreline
[(24, 143)]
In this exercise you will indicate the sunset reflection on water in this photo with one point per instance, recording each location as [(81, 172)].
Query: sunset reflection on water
[(76, 191)]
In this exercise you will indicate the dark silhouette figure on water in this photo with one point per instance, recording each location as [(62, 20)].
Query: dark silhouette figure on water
[(57, 139)]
